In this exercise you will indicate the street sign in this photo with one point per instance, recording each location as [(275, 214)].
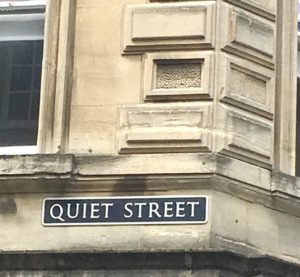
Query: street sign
[(125, 210)]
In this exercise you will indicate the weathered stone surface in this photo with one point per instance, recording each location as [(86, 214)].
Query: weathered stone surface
[(239, 140), (177, 76), (248, 36), (156, 128), (190, 264), (247, 85), (228, 113), (32, 164), (242, 218), (264, 8), (151, 26)]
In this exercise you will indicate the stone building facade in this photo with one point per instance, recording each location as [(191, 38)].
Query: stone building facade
[(160, 98)]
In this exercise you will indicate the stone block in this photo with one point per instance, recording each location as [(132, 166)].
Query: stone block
[(265, 8), (247, 35), (164, 128), (92, 129), (152, 26), (229, 216), (247, 85), (262, 227), (245, 136), (176, 75), (146, 164)]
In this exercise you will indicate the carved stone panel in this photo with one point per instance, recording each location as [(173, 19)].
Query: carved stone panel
[(152, 26), (176, 75), (265, 8), (247, 35), (154, 128), (245, 136), (247, 85)]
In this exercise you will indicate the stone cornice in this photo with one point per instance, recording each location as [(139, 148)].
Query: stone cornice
[(70, 173)]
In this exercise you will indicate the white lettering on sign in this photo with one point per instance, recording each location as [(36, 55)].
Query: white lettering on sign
[(153, 209), (168, 207), (106, 208), (179, 209), (193, 204), (127, 209), (69, 211), (140, 208), (115, 210), (94, 210), (56, 215), (78, 210)]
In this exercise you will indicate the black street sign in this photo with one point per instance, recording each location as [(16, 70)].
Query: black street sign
[(125, 210)]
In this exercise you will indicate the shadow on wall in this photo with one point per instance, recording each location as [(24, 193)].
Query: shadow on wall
[(7, 205)]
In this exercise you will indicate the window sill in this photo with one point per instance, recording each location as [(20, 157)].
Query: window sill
[(19, 150), (15, 4)]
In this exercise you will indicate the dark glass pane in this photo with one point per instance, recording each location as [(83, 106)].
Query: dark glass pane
[(37, 77), (21, 78), (18, 106), (18, 137), (39, 52), (22, 52), (35, 101)]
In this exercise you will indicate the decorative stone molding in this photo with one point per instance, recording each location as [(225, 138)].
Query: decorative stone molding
[(248, 36), (263, 8), (151, 26), (57, 76), (258, 208), (239, 140), (178, 75), (164, 128), (247, 85)]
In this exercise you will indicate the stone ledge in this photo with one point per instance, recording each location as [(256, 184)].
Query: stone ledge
[(152, 172), (285, 184), (24, 165)]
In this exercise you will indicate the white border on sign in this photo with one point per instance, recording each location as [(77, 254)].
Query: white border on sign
[(126, 223)]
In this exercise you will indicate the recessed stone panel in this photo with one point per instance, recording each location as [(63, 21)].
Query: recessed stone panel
[(245, 136), (247, 85), (265, 8), (249, 36), (175, 76), (152, 26), (154, 128)]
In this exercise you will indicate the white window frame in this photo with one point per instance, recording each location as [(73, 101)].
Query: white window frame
[(23, 4), (18, 150), (11, 6)]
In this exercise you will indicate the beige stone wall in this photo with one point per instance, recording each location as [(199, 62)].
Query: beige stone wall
[(125, 77), (103, 78), (121, 48), (163, 98), (234, 223)]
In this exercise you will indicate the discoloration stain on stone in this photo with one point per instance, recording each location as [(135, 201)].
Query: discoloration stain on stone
[(7, 205)]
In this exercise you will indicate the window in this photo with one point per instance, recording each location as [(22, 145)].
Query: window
[(21, 48)]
